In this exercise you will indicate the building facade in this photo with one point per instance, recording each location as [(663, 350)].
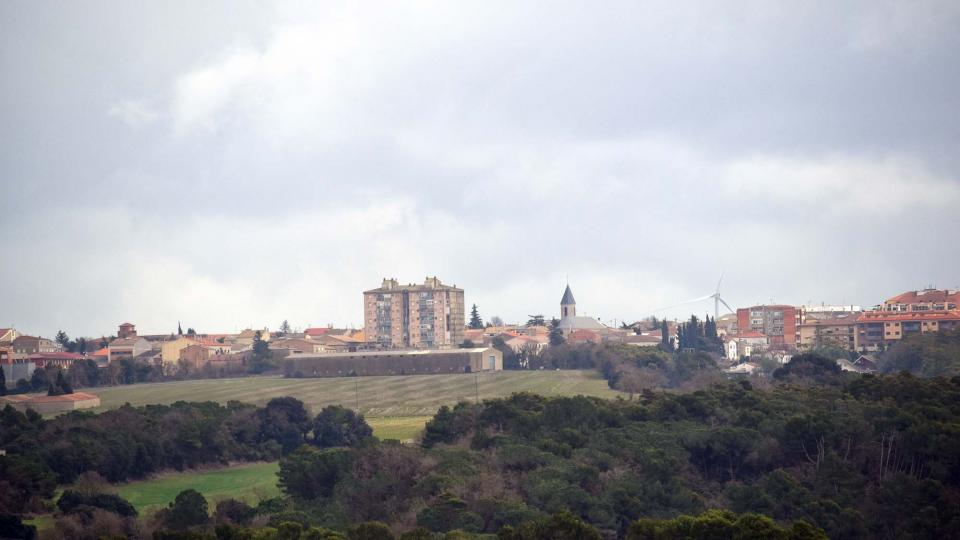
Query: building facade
[(27, 345), (127, 348), (835, 330), (777, 322), (880, 329), (424, 316), (912, 312)]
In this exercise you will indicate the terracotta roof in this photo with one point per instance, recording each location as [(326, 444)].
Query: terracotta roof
[(316, 331), (899, 316), (583, 335), (56, 356), (127, 324), (102, 352), (750, 335), (929, 295)]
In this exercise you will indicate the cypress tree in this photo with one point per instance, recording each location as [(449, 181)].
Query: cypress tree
[(65, 387), (3, 382)]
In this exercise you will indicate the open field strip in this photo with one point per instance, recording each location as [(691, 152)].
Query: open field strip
[(388, 396), (249, 482)]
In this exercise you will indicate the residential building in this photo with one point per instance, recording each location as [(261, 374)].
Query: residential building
[(879, 329), (170, 350), (746, 344), (27, 345), (297, 345), (15, 368), (643, 340), (929, 299), (62, 360), (777, 322), (833, 330), (430, 315), (521, 343), (127, 348), (196, 356)]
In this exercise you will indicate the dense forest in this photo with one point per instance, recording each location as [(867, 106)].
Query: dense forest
[(812, 452)]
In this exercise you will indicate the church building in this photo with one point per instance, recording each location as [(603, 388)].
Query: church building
[(570, 321)]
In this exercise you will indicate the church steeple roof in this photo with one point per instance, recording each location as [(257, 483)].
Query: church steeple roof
[(567, 297)]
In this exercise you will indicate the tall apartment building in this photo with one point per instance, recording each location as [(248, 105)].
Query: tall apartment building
[(778, 323), (424, 316)]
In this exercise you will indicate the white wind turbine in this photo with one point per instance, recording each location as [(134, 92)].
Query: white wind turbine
[(717, 300)]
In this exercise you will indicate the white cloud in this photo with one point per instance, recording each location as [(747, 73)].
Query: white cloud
[(839, 184), (133, 113)]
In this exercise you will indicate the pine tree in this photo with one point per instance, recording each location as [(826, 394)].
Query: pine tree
[(179, 329), (475, 321), (63, 339)]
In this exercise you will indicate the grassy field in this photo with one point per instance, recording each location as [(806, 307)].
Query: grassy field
[(249, 482), (411, 395), (396, 406)]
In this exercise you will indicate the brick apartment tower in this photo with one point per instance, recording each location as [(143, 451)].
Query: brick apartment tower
[(778, 323), (428, 316)]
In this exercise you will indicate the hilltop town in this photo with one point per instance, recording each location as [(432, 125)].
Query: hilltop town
[(423, 328)]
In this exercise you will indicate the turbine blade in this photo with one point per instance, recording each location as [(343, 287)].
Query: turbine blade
[(726, 304), (719, 282), (702, 298)]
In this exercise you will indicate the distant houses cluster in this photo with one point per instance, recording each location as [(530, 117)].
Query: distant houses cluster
[(430, 316), (21, 355)]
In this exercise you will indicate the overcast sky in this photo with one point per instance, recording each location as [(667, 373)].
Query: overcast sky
[(234, 164)]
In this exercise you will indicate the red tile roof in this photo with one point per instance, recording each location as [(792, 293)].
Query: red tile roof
[(56, 356), (583, 335), (919, 297), (316, 331), (899, 316)]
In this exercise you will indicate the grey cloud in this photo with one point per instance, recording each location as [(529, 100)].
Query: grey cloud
[(247, 165)]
